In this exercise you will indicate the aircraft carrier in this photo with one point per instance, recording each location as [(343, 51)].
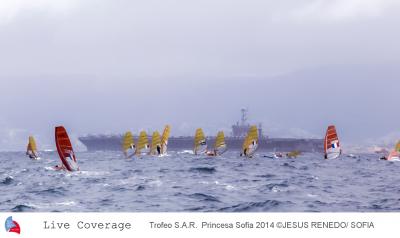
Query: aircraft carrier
[(234, 141)]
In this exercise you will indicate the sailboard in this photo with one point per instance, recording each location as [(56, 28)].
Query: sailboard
[(31, 149), (164, 139), (250, 143), (128, 145), (143, 146), (64, 149), (155, 148), (398, 146), (200, 144), (331, 144), (220, 145)]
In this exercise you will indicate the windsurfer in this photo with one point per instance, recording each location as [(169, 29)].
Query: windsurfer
[(278, 155), (59, 167), (30, 154), (245, 152), (159, 149), (211, 153)]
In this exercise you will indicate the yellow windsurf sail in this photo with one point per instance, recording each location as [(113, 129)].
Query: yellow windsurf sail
[(31, 149), (143, 143), (32, 144), (220, 145), (127, 142), (200, 145), (398, 146), (155, 148), (250, 143), (164, 139)]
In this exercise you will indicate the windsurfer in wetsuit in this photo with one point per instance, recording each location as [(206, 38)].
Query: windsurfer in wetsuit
[(59, 167), (211, 153), (133, 147), (30, 154), (159, 149)]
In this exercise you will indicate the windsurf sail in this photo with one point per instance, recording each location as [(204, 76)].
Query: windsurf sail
[(128, 145), (331, 144), (31, 149), (64, 149), (250, 143), (200, 145), (155, 148), (164, 139), (143, 144), (220, 145), (394, 156)]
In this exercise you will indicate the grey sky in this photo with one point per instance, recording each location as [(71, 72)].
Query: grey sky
[(108, 66)]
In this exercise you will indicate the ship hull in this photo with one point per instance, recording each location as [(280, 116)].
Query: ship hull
[(113, 143)]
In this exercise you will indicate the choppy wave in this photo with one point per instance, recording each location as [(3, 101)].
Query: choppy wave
[(182, 181), (7, 181), (22, 208), (208, 170), (263, 206)]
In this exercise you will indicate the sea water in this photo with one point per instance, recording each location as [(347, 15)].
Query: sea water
[(181, 181)]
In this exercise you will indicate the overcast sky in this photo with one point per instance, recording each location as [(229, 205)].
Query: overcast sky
[(109, 66)]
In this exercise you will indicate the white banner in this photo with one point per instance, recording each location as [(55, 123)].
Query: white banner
[(200, 224)]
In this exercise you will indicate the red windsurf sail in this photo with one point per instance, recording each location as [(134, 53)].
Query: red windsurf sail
[(332, 146), (64, 148)]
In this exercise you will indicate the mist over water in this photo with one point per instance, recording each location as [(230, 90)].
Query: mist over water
[(181, 181), (100, 66)]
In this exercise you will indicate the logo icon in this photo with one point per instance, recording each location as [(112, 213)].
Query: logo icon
[(12, 226)]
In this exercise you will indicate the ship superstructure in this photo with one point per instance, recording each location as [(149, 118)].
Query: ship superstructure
[(234, 141)]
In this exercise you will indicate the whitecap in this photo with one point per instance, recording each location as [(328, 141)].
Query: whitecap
[(311, 195), (186, 152), (275, 189), (156, 183), (230, 187), (66, 203)]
